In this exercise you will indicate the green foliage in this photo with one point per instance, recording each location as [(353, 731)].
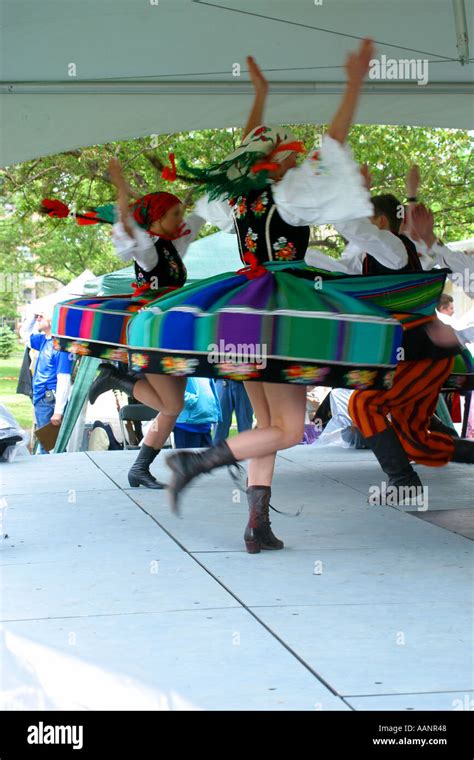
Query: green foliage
[(61, 249), (8, 342), (8, 305)]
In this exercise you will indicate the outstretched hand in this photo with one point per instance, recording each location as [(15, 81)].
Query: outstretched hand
[(257, 78), (413, 181), (422, 223), (357, 64)]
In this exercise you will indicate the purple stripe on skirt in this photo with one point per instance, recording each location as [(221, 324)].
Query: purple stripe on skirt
[(245, 328)]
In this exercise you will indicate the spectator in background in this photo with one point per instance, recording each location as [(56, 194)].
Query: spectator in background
[(233, 396), (445, 305), (201, 410), (52, 373)]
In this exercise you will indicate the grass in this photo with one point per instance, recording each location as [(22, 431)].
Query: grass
[(20, 406)]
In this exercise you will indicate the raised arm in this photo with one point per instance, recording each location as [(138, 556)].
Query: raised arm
[(412, 185), (129, 239), (260, 84), (366, 176), (357, 66), (116, 175)]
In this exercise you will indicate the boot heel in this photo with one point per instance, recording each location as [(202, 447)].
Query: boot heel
[(134, 482), (253, 547)]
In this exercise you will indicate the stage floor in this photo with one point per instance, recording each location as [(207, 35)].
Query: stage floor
[(111, 602)]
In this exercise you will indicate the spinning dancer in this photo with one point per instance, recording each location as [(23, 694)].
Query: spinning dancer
[(153, 233)]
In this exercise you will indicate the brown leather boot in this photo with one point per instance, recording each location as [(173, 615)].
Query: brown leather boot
[(258, 533)]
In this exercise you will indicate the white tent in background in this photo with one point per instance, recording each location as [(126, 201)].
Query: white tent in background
[(47, 303), (118, 69)]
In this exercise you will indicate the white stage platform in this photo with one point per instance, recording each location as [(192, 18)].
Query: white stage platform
[(111, 602)]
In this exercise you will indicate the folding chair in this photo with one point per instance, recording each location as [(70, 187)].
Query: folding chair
[(138, 413)]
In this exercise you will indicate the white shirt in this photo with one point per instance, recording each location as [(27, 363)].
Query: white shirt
[(321, 190), (63, 385), (142, 246), (364, 237), (460, 263)]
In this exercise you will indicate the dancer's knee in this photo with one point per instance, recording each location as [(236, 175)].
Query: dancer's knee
[(173, 409), (290, 435)]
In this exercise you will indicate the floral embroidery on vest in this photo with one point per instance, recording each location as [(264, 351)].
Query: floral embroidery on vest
[(173, 267), (259, 206), (240, 206), (284, 250), (251, 240)]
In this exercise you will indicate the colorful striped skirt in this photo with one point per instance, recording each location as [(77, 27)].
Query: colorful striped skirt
[(97, 325), (284, 323)]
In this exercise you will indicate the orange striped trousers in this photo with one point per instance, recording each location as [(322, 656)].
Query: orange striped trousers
[(410, 402)]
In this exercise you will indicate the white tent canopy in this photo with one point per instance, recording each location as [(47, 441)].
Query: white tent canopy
[(83, 73), (46, 304)]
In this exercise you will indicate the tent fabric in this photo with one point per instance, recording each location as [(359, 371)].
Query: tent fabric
[(80, 391), (77, 74), (47, 303)]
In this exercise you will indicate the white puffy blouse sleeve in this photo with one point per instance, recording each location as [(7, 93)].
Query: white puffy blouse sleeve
[(347, 264), (193, 223), (141, 247), (326, 188), (218, 212), (457, 261), (383, 245), (460, 264)]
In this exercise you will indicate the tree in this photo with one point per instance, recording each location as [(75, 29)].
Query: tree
[(62, 250), (8, 342)]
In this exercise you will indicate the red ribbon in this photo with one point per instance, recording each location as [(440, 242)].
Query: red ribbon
[(169, 173), (140, 289), (267, 163), (181, 232), (254, 270)]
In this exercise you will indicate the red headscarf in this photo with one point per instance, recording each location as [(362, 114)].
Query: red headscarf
[(152, 207)]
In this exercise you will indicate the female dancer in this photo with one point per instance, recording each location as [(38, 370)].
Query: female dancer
[(152, 232), (272, 203)]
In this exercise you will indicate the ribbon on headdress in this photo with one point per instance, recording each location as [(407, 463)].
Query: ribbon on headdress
[(169, 172), (267, 164)]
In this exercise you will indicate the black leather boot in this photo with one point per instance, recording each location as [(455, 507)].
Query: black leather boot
[(139, 474), (258, 533), (110, 378), (394, 461), (437, 426), (186, 465), (463, 450)]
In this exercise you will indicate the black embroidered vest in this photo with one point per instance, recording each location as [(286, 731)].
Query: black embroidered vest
[(262, 231), (169, 269), (372, 266)]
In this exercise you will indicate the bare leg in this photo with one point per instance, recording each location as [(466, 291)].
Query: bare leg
[(144, 391), (287, 405), (170, 393), (260, 469)]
